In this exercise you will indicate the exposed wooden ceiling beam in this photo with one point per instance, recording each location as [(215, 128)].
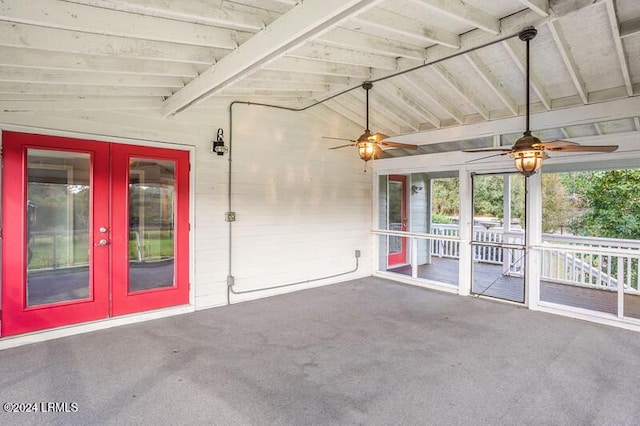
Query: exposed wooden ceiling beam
[(355, 109), (95, 20), (343, 56), (351, 103), (476, 63), (326, 114), (354, 40), (630, 28), (509, 25), (383, 106), (567, 57), (401, 100), (424, 90), (420, 33), (598, 128), (218, 13), (32, 58), (622, 57), (280, 86), (541, 7), (457, 87), (279, 6), (516, 52), (307, 20), (54, 40), (573, 116), (34, 75), (299, 77), (378, 122), (344, 112), (464, 12), (81, 104), (312, 66), (78, 90), (239, 94)]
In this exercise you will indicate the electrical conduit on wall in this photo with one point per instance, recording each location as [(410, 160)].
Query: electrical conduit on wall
[(230, 277)]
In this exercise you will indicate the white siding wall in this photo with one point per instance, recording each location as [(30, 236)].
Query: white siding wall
[(420, 211), (302, 210)]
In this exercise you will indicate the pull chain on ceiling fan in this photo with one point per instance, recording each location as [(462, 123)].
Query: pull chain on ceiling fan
[(528, 151), (370, 144)]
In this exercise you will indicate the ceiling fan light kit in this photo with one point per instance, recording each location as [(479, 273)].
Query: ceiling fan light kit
[(529, 162)]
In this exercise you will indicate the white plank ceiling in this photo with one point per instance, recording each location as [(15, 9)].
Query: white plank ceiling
[(172, 57)]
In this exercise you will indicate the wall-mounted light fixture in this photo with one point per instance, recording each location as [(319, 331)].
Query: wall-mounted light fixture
[(415, 189), (218, 144)]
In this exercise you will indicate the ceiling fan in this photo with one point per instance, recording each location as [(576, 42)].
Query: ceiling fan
[(370, 144), (528, 151)]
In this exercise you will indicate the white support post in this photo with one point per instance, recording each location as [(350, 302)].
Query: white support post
[(427, 186), (620, 287), (506, 225), (414, 257), (466, 223), (533, 237)]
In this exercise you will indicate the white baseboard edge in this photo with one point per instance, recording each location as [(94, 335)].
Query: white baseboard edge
[(405, 279), (588, 315), (72, 330)]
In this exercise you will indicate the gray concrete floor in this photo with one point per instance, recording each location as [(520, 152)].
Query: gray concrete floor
[(368, 351)]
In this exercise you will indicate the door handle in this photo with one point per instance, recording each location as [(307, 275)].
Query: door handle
[(102, 243)]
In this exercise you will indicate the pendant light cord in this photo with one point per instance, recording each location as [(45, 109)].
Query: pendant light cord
[(528, 76), (527, 35), (366, 88)]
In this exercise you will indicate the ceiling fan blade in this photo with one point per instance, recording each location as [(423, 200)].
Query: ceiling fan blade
[(338, 139), (586, 148), (398, 145), (342, 146), (377, 137), (555, 144), (489, 149), (488, 156)]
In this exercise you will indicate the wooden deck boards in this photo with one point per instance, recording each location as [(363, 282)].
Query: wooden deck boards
[(489, 281)]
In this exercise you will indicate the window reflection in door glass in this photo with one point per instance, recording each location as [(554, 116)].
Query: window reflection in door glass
[(57, 226), (151, 223)]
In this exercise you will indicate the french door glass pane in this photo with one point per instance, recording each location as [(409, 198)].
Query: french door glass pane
[(151, 223), (58, 215)]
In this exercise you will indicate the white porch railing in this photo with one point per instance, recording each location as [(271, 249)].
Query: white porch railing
[(599, 262), (586, 261)]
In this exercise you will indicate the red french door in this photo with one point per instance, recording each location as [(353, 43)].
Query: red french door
[(150, 219), (397, 208), (90, 230)]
